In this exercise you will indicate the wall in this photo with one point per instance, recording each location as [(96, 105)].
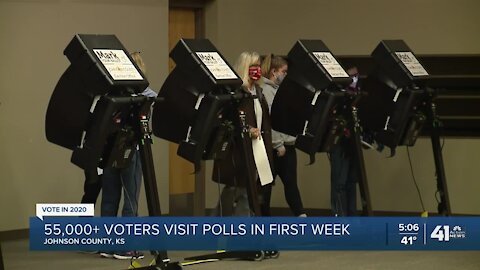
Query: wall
[(350, 27), (346, 26), (33, 36)]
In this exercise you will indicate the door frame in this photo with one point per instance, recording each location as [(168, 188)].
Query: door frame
[(199, 8), (198, 198)]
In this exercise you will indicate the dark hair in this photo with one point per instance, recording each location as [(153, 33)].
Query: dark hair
[(272, 62)]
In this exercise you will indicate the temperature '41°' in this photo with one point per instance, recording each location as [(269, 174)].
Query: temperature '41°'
[(408, 240)]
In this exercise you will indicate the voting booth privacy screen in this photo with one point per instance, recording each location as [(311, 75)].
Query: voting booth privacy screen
[(395, 107), (89, 109), (195, 93), (306, 101)]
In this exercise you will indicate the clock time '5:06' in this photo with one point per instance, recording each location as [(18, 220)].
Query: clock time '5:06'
[(409, 227)]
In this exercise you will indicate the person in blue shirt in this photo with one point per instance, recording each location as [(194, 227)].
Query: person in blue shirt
[(128, 179), (344, 173)]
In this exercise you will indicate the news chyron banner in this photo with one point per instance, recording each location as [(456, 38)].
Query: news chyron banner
[(54, 232)]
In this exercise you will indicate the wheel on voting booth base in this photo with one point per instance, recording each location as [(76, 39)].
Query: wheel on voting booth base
[(272, 254), (259, 256)]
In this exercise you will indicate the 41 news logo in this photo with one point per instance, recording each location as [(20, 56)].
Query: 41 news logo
[(444, 233)]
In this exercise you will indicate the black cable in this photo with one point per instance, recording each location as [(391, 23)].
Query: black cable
[(437, 193), (415, 180), (220, 206), (127, 198)]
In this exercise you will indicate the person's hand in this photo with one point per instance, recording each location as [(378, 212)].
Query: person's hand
[(254, 133), (281, 151)]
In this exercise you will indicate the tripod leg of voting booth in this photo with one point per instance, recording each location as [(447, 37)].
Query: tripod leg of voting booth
[(243, 131), (444, 202), (1, 258), (151, 189), (153, 200), (358, 152)]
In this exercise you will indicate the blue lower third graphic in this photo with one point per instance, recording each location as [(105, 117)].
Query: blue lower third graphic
[(258, 233)]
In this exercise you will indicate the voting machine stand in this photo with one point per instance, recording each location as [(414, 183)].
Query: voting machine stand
[(201, 114), (400, 104), (2, 267), (312, 104), (98, 112)]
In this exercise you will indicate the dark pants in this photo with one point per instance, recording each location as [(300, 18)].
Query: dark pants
[(233, 201), (286, 169), (114, 180), (344, 177), (91, 187)]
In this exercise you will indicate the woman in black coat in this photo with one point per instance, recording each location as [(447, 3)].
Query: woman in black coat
[(231, 170)]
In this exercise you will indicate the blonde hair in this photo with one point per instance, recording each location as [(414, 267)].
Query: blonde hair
[(139, 61), (244, 61), (272, 62)]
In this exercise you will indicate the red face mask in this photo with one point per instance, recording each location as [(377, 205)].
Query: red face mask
[(255, 73)]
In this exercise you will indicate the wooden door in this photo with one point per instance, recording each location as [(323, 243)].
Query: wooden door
[(186, 189)]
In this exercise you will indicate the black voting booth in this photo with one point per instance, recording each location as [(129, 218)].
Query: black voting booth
[(200, 86), (306, 102), (198, 93), (96, 111), (396, 106), (400, 103), (88, 106), (311, 103)]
